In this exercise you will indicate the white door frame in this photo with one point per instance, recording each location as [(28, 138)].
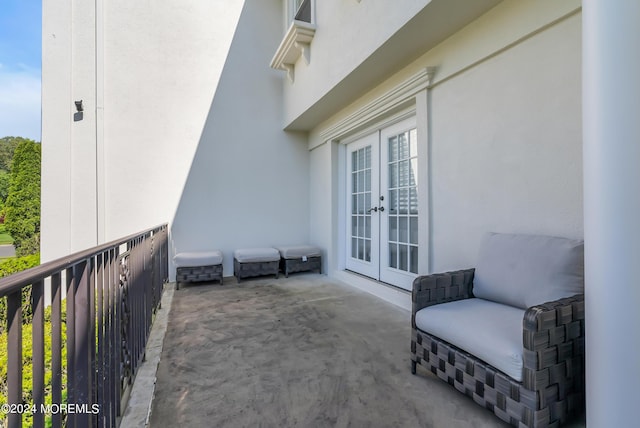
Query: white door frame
[(376, 234)]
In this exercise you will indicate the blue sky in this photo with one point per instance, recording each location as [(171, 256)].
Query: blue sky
[(20, 67)]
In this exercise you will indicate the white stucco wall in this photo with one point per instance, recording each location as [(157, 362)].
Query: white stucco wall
[(163, 63), (506, 150), (188, 129), (505, 142), (68, 148)]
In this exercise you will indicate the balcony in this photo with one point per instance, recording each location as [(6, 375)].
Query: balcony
[(298, 351)]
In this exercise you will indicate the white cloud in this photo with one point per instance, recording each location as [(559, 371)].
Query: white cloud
[(20, 103)]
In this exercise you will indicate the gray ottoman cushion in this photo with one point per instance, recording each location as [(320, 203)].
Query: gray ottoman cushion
[(298, 251), (527, 270), (490, 331), (198, 258), (256, 255)]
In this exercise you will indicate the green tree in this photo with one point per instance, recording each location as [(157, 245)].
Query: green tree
[(22, 207), (7, 147), (5, 178)]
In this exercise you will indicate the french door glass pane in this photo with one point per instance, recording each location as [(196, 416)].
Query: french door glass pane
[(367, 226), (403, 229), (393, 175), (413, 259), (413, 172), (367, 250), (413, 230), (404, 258), (393, 149), (393, 228), (393, 255), (360, 204), (413, 201), (403, 201), (393, 202)]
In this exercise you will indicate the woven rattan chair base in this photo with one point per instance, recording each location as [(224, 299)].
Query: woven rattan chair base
[(198, 274), (247, 270), (487, 386), (288, 266)]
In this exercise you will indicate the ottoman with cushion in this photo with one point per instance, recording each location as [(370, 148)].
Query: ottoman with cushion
[(299, 258), (198, 266), (248, 262)]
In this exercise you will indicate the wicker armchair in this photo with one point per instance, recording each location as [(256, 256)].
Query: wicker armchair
[(552, 384)]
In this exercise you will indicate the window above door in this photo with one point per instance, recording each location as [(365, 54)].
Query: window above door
[(297, 40)]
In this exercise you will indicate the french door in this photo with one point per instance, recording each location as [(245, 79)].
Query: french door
[(382, 205)]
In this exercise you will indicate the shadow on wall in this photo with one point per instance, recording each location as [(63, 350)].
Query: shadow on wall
[(248, 184)]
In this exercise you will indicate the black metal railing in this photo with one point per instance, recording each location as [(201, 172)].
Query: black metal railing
[(112, 292)]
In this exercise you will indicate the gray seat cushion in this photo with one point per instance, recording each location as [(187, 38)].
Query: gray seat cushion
[(490, 331), (298, 251), (198, 258), (527, 270), (256, 255)]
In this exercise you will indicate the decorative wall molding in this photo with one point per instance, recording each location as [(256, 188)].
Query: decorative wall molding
[(296, 43), (380, 106)]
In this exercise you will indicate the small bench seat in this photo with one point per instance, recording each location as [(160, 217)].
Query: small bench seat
[(249, 262), (198, 266), (300, 258)]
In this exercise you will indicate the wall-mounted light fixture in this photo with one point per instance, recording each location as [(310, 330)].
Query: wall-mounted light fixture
[(78, 115)]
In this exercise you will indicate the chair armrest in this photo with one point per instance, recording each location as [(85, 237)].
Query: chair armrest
[(553, 341), (438, 288)]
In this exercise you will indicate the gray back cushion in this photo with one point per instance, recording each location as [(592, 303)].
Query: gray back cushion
[(526, 270)]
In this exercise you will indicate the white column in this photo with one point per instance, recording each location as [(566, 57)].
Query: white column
[(424, 186), (611, 127)]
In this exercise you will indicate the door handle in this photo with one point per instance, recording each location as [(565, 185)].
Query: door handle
[(375, 209)]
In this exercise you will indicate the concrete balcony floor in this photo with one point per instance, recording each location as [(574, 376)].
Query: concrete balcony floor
[(303, 351)]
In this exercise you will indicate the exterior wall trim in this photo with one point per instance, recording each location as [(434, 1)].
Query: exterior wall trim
[(296, 43), (379, 107)]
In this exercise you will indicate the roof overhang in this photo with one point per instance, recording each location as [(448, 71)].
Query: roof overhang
[(434, 23)]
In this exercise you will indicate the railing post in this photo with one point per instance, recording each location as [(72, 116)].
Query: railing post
[(71, 283), (101, 356), (14, 355), (82, 373), (124, 321), (56, 348), (116, 326), (37, 337), (92, 373)]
